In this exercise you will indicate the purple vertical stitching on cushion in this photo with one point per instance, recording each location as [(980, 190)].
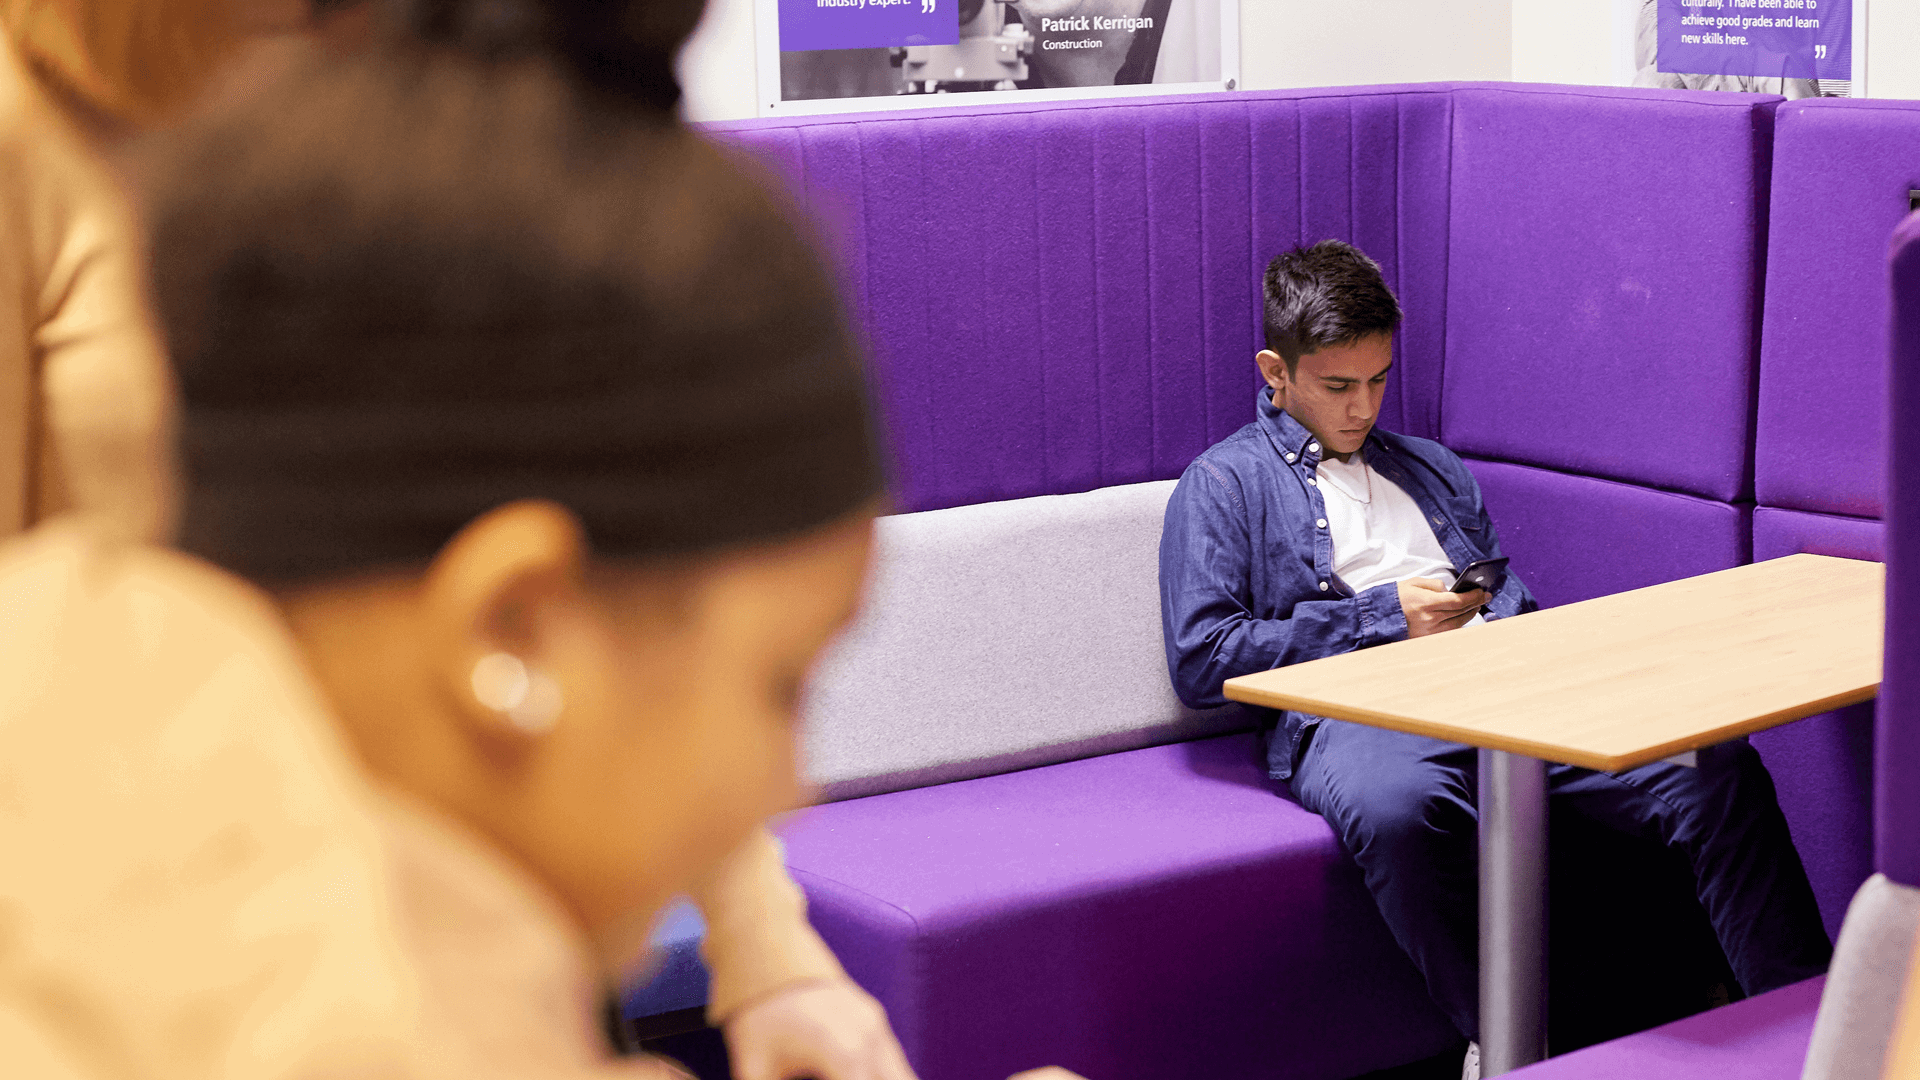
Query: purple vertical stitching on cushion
[(801, 184), (1206, 307), (927, 415), (866, 229), (1099, 339), (1446, 268), (863, 311), (1300, 176), (1040, 316), (1353, 175), (1206, 292), (1147, 129), (1401, 170), (1409, 254)]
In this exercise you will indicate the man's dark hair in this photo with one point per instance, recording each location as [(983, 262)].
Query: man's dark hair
[(408, 287), (1327, 294)]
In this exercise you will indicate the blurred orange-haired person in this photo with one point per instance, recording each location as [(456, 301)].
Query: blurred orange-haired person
[(84, 390)]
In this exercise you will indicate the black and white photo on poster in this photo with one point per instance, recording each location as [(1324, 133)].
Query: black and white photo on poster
[(867, 53)]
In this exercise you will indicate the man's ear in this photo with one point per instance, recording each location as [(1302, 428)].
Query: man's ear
[(1273, 369), (491, 601)]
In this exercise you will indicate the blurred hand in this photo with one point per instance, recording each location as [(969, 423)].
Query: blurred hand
[(1431, 609), (818, 1030)]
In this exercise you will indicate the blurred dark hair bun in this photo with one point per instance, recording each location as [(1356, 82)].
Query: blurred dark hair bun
[(408, 287), (622, 47)]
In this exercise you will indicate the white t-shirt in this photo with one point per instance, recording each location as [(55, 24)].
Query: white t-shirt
[(1379, 534)]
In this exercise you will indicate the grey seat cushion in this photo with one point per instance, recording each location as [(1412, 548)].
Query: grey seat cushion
[(998, 637), (1862, 996)]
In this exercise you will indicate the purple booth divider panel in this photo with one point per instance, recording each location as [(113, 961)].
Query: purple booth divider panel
[(1823, 765), (1778, 533), (1148, 914), (1576, 537), (1604, 284), (1841, 173), (1896, 788), (1065, 296)]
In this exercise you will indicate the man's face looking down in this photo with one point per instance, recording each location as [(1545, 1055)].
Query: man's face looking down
[(1334, 392)]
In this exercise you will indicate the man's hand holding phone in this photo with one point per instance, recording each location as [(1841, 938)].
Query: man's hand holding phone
[(1431, 609)]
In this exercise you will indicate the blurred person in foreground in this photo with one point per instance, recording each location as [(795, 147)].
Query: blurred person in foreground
[(1903, 1054), (108, 71), (85, 409), (527, 468), (83, 384)]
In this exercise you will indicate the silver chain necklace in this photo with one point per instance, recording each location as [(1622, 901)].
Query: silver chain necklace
[(1365, 471)]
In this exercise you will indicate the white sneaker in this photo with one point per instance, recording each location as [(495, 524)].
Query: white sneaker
[(1470, 1068)]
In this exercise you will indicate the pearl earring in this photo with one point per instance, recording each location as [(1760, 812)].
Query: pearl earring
[(526, 696)]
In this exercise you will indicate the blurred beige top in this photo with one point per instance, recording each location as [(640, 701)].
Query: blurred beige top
[(84, 388), (1903, 1054), (199, 881)]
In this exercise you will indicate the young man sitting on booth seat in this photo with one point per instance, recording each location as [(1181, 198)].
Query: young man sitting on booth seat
[(1311, 532)]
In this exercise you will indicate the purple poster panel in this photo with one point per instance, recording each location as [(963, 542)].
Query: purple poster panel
[(894, 49), (806, 25), (1785, 39)]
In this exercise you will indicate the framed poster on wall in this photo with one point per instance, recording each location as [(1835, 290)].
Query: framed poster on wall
[(817, 56), (1799, 48)]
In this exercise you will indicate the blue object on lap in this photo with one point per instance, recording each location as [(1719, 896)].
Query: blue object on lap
[(680, 979)]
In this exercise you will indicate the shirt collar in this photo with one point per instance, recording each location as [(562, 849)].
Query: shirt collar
[(1289, 436)]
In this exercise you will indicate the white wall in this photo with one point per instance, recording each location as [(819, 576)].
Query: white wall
[(1287, 43), (717, 64), (1565, 41), (1893, 48), (1282, 43)]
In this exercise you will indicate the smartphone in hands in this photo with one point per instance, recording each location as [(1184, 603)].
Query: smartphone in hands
[(1488, 574)]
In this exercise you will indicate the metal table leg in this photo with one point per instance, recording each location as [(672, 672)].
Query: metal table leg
[(1513, 911)]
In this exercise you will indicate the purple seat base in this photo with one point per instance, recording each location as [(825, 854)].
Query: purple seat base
[(1170, 911), (1153, 913), (1762, 1038)]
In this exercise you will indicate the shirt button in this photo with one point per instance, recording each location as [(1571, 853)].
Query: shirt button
[(1321, 524), (1311, 483), (1323, 586), (1313, 448), (1438, 520), (1290, 457)]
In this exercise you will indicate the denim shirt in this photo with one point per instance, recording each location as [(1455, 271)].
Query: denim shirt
[(1246, 562)]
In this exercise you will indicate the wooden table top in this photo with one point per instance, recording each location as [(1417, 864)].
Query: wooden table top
[(1622, 680)]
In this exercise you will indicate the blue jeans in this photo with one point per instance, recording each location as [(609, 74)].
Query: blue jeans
[(1403, 806)]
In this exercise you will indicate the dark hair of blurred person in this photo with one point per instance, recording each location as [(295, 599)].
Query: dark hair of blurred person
[(623, 48), (491, 380), (537, 424), (406, 288)]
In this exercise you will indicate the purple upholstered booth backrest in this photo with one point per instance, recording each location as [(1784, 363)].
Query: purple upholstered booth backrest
[(1603, 326), (1065, 296), (1606, 272), (1897, 750), (1841, 173)]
